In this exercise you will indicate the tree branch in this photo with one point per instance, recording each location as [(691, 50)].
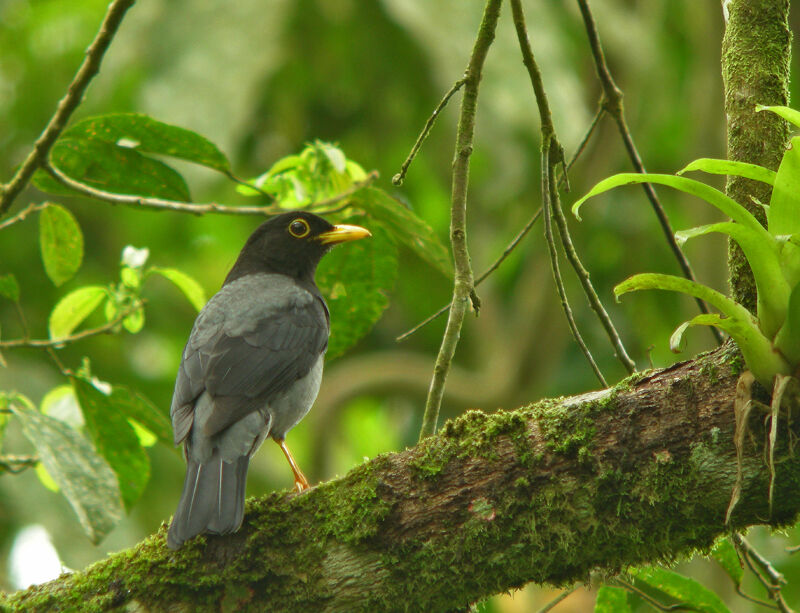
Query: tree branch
[(67, 105), (639, 473)]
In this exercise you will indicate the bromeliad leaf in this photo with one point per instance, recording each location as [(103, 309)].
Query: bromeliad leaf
[(60, 242), (190, 288), (73, 308), (783, 215), (147, 135), (86, 479), (788, 338), (405, 227), (730, 167), (115, 439), (790, 115), (714, 197), (356, 282), (688, 591)]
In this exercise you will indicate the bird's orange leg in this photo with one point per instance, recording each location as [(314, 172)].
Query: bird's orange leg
[(300, 481)]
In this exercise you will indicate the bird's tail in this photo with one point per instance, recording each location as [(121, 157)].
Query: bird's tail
[(212, 499)]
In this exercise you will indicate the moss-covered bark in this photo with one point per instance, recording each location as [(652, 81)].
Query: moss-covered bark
[(639, 473), (755, 70)]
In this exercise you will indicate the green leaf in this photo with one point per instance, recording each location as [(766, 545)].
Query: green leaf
[(356, 279), (83, 476), (115, 439), (134, 322), (758, 353), (405, 227), (725, 554), (9, 288), (714, 197), (788, 114), (788, 338), (144, 134), (764, 259), (136, 406), (686, 590), (190, 288), (729, 167), (73, 308), (783, 216), (611, 600), (119, 170), (61, 403), (61, 243)]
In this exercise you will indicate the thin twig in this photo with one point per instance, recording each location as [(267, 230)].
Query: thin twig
[(549, 606), (398, 178), (31, 208), (495, 265), (186, 207), (762, 568), (67, 105), (553, 251), (463, 286), (564, 180), (58, 342), (554, 155), (612, 104)]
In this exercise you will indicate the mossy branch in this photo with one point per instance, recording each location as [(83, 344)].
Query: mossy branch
[(639, 473)]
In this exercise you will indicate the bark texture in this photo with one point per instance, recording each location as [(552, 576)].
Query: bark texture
[(756, 51), (638, 473)]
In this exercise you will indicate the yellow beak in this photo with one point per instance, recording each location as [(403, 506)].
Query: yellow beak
[(343, 233)]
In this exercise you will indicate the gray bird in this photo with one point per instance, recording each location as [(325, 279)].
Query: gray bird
[(251, 368)]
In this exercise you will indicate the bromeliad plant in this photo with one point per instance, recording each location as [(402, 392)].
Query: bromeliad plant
[(769, 341)]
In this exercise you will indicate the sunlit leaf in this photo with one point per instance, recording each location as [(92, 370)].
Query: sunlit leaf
[(83, 476), (60, 243), (611, 600), (790, 115), (61, 403), (730, 167), (725, 554), (684, 589), (9, 288), (147, 135), (356, 279), (405, 227), (783, 216), (193, 291), (134, 322), (73, 308), (115, 439)]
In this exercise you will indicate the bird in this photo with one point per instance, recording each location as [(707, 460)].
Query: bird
[(251, 368)]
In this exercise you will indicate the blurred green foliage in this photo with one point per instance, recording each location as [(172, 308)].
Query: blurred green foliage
[(263, 79)]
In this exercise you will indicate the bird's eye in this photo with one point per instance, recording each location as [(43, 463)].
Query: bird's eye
[(299, 228)]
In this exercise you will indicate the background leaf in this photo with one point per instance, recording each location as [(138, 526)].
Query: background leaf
[(405, 227), (725, 554), (73, 308), (611, 600), (683, 589), (120, 170), (356, 279), (60, 242), (139, 408), (193, 291), (115, 439), (147, 135), (83, 476), (9, 287)]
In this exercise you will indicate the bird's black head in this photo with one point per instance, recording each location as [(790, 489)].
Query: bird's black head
[(291, 244)]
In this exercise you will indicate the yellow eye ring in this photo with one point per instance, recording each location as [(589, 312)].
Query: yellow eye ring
[(299, 228)]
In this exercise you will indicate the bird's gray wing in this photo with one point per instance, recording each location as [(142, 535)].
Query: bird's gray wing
[(254, 338)]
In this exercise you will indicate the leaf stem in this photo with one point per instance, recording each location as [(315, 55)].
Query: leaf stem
[(463, 286), (67, 105)]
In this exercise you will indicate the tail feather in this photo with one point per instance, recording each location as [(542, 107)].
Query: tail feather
[(212, 499)]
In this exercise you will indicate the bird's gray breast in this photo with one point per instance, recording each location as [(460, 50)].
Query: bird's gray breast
[(290, 406)]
